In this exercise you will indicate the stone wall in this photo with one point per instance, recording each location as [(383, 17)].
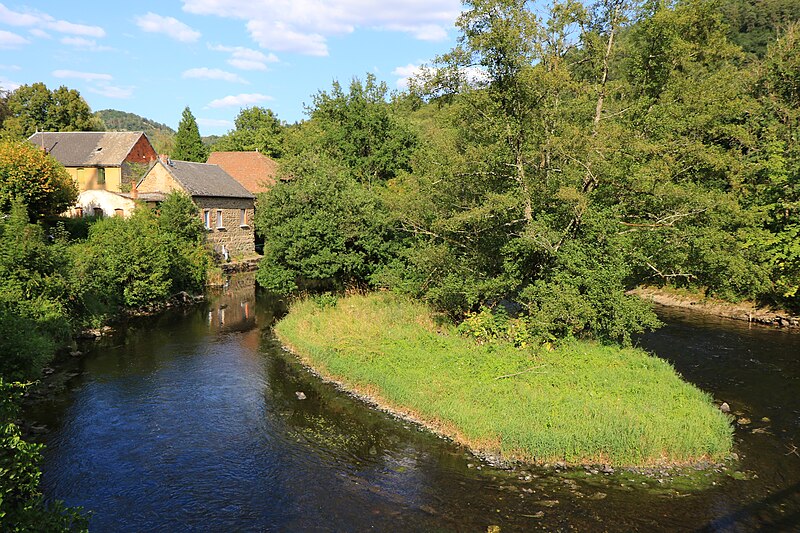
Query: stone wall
[(238, 238)]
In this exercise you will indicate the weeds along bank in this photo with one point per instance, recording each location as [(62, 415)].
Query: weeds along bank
[(579, 403)]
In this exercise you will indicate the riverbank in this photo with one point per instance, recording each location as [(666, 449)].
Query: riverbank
[(744, 311), (582, 403)]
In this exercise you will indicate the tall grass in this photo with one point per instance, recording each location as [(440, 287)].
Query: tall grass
[(581, 403)]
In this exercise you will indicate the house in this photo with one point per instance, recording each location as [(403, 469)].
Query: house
[(226, 206), (255, 171), (97, 160)]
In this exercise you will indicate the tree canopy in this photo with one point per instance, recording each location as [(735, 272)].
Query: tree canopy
[(32, 108), (257, 129), (188, 145), (35, 178)]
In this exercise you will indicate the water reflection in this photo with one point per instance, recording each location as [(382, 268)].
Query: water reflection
[(191, 421)]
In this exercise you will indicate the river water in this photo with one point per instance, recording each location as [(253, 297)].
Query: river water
[(191, 421)]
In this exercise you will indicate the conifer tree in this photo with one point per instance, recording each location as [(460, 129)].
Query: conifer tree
[(188, 144)]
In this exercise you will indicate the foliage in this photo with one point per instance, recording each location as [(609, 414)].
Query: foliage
[(358, 129), (35, 296), (116, 120), (322, 228), (579, 403), (22, 506), (257, 129), (188, 144), (35, 178), (753, 24), (33, 108), (140, 261)]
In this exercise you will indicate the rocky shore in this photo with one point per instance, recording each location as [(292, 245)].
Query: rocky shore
[(744, 311)]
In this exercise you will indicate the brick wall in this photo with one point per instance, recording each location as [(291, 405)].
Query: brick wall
[(238, 239)]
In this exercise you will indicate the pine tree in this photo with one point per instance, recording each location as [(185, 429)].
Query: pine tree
[(188, 144)]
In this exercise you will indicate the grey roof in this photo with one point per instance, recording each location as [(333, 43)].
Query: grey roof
[(202, 179), (88, 148)]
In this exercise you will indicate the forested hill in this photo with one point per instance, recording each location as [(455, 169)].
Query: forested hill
[(123, 121)]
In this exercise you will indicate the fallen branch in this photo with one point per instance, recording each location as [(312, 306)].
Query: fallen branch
[(518, 373)]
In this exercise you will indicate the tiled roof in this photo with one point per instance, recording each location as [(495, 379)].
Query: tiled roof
[(88, 148), (255, 171), (202, 179)]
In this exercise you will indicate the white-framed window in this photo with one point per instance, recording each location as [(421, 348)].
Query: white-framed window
[(207, 218), (220, 225), (243, 217)]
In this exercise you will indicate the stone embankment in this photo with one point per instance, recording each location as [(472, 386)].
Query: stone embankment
[(744, 311)]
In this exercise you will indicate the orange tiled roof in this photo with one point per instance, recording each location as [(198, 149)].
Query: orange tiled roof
[(255, 171)]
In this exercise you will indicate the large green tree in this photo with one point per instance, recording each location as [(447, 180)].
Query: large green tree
[(188, 145), (32, 108), (257, 129), (37, 179)]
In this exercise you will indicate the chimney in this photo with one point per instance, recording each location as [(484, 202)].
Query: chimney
[(164, 159), (134, 191)]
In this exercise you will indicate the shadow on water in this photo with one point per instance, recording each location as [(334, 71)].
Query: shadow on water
[(192, 421), (763, 513)]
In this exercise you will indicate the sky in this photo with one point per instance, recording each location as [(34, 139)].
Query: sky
[(154, 58)]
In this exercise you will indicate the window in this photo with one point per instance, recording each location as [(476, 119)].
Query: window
[(118, 212), (101, 176), (98, 212), (79, 211), (207, 218), (242, 217), (219, 219)]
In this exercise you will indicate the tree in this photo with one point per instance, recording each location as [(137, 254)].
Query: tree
[(34, 177), (33, 108), (359, 129), (188, 143), (22, 505), (324, 229), (257, 129)]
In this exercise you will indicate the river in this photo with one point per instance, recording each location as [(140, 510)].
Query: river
[(191, 421)]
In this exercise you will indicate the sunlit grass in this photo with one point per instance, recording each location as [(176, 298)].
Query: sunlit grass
[(581, 403)]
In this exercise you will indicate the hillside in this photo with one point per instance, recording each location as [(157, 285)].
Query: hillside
[(123, 121)]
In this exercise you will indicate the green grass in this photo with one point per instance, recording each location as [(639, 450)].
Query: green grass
[(581, 403)]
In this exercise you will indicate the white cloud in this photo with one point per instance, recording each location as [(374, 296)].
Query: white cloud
[(205, 73), (471, 75), (214, 123), (169, 26), (8, 85), (112, 91), (303, 26), (278, 36), (11, 40), (85, 76), (246, 58), (62, 26), (40, 20), (83, 44), (36, 32), (14, 18), (10, 67), (239, 100), (407, 72)]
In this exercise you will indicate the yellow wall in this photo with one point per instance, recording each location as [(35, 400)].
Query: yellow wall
[(159, 180), (86, 178)]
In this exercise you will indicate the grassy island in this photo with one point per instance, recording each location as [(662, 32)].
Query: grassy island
[(580, 403)]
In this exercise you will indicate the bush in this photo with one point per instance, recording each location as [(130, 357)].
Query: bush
[(22, 506)]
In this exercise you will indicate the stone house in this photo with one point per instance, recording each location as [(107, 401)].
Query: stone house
[(226, 207), (99, 160)]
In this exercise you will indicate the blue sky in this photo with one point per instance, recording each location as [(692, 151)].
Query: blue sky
[(217, 56)]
